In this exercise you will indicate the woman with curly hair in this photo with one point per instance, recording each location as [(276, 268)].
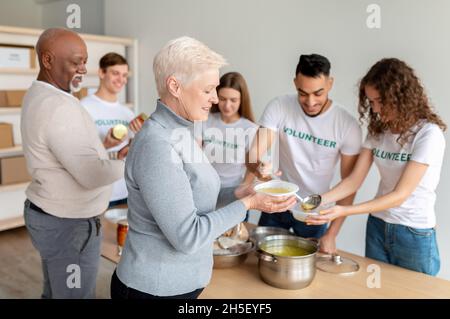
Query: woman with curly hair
[(405, 140)]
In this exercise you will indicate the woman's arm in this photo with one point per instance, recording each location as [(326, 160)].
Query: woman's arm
[(156, 170), (352, 182), (328, 240), (408, 182)]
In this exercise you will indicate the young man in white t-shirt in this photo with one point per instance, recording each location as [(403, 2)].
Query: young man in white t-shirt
[(314, 134), (107, 112)]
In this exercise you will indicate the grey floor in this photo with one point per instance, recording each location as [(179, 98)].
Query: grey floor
[(20, 268)]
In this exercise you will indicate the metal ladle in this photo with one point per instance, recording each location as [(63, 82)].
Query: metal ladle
[(309, 202)]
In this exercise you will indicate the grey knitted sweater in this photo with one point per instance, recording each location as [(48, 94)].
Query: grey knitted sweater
[(173, 191)]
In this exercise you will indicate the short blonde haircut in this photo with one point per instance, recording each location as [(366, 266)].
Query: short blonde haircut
[(184, 58)]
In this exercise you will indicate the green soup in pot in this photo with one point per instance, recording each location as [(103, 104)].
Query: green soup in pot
[(286, 250)]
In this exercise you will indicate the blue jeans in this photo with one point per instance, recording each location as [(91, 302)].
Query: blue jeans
[(114, 203), (412, 248), (286, 220)]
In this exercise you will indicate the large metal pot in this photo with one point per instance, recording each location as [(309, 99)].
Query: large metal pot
[(287, 272), (257, 234)]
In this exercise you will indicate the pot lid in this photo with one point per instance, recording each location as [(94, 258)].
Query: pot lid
[(337, 264)]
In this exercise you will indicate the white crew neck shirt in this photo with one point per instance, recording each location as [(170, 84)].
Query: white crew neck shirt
[(310, 147), (225, 145), (427, 146), (106, 115)]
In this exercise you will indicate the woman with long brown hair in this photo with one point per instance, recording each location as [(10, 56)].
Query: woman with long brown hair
[(230, 129), (405, 140)]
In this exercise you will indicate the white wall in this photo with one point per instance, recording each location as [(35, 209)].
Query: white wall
[(20, 13), (44, 14), (263, 40), (54, 15)]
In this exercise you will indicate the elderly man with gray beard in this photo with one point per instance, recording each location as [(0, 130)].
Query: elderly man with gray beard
[(70, 169)]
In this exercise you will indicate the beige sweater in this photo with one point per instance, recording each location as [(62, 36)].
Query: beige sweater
[(70, 170)]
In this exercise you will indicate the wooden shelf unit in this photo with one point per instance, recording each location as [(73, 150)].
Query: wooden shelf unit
[(12, 196), (91, 72), (10, 110), (11, 151), (14, 187), (12, 223)]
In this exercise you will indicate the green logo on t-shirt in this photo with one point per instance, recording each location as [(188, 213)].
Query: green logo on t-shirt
[(309, 137), (224, 144), (399, 157), (110, 122)]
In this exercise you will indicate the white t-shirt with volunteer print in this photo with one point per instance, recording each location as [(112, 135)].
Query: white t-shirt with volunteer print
[(106, 115), (225, 145), (427, 146), (310, 147)]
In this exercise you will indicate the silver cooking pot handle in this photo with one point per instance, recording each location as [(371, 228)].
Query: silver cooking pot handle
[(264, 256)]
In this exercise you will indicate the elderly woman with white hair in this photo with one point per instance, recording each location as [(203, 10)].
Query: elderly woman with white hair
[(173, 189)]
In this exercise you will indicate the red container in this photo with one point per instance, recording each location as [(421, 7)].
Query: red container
[(122, 230)]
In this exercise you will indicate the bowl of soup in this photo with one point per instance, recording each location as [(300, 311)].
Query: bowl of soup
[(277, 188), (301, 214)]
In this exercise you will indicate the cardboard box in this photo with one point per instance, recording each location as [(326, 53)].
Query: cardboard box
[(33, 58), (17, 56), (12, 98), (13, 170), (6, 135)]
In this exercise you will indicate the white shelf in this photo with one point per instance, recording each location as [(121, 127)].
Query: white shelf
[(10, 110), (17, 110), (13, 196), (25, 71), (11, 151), (19, 71), (12, 223), (92, 37), (14, 187)]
